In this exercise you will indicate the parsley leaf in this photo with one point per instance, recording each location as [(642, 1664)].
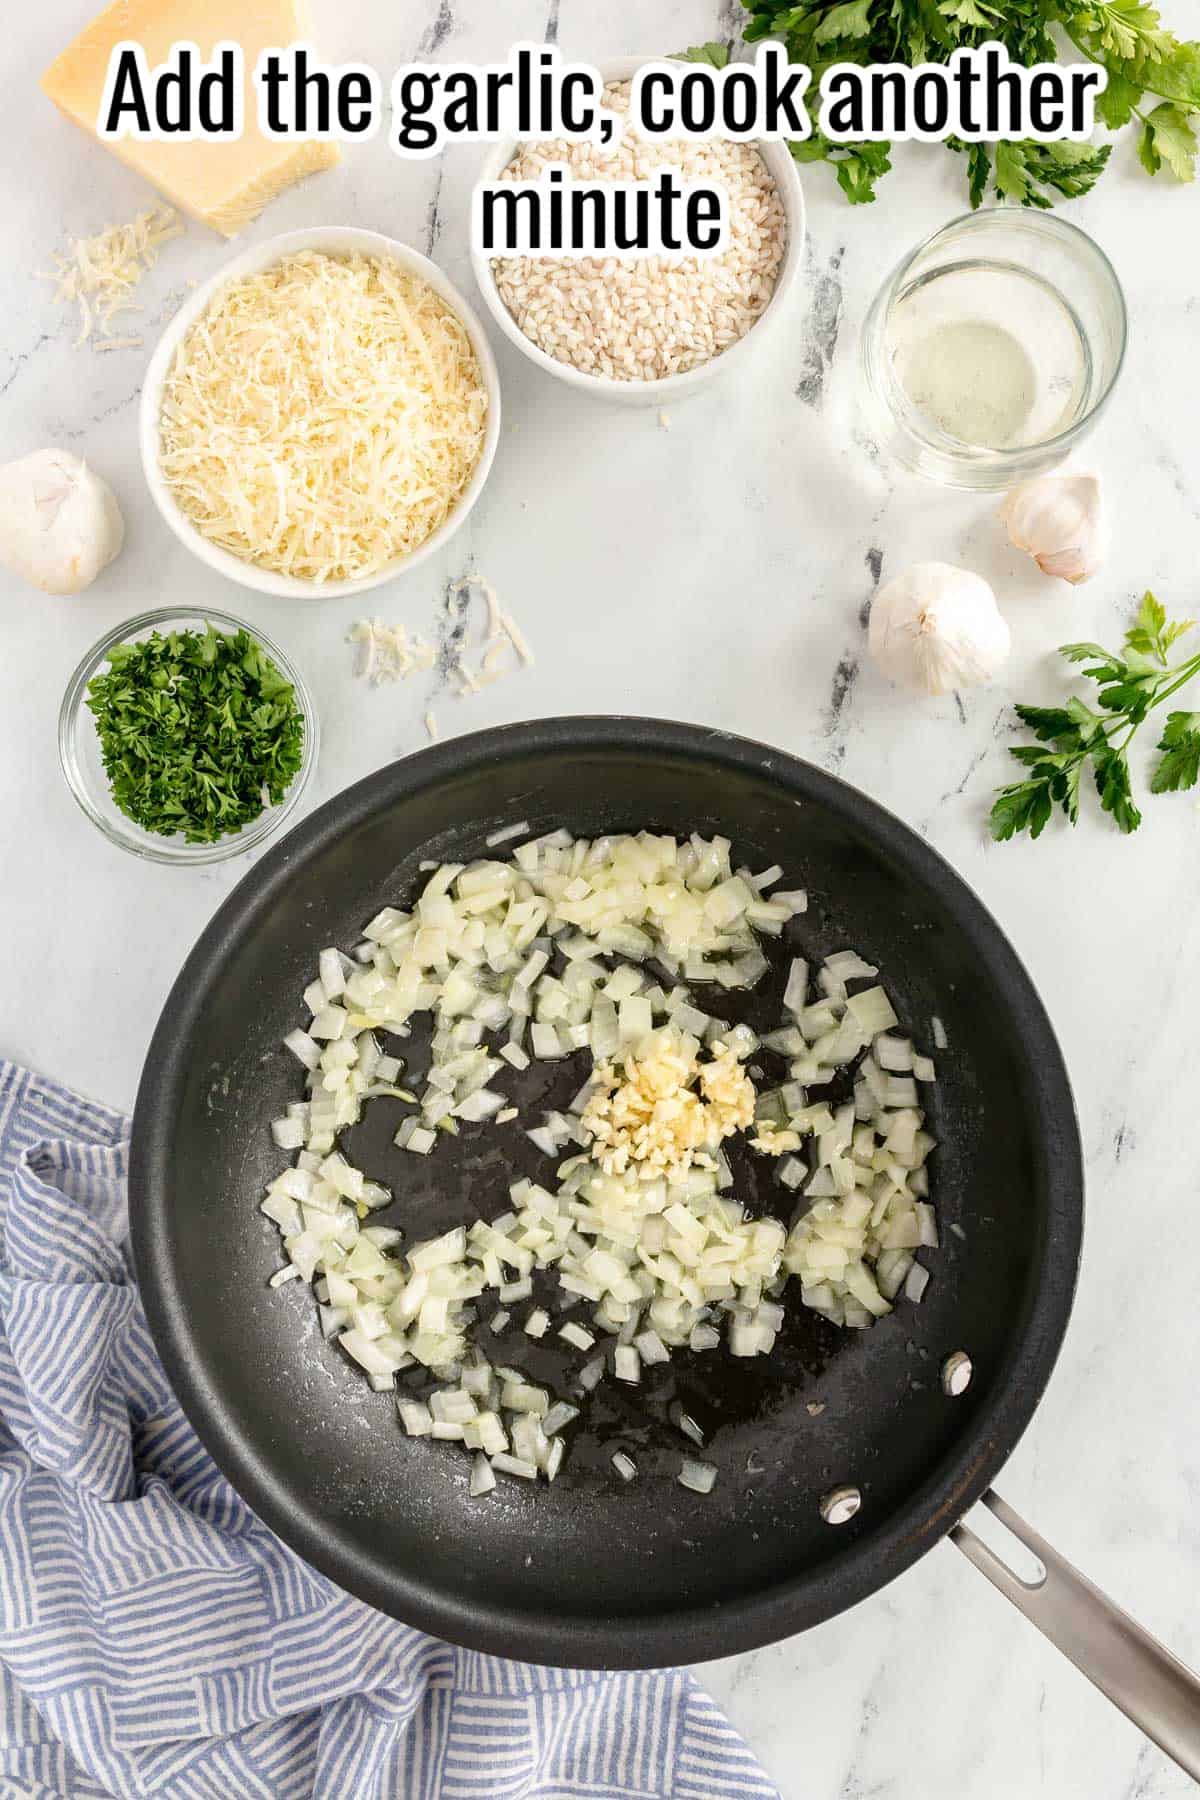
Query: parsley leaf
[(1151, 634), (1115, 106), (1076, 736), (1148, 626), (199, 731), (1026, 170), (969, 12), (1050, 724), (1177, 76), (857, 166), (715, 55), (1113, 787), (979, 168), (1124, 29), (1167, 137), (1027, 806), (860, 168), (852, 18), (1179, 766)]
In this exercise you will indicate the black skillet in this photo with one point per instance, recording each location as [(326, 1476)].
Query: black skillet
[(591, 1572)]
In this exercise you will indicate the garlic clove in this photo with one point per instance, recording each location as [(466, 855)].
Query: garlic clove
[(937, 628), (59, 521), (1067, 565), (1060, 521)]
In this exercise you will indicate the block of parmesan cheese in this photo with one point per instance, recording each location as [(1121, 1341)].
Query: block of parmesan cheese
[(223, 184)]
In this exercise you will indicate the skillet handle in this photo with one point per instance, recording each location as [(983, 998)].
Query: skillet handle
[(1151, 1687)]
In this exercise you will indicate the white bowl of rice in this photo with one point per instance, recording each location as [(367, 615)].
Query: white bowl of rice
[(647, 330), (321, 415)]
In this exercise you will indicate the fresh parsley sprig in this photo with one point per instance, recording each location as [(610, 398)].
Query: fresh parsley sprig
[(198, 731), (1076, 738), (1153, 81)]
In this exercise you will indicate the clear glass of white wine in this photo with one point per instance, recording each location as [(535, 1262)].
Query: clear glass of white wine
[(992, 348)]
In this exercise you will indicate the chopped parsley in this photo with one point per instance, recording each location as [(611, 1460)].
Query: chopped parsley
[(199, 731)]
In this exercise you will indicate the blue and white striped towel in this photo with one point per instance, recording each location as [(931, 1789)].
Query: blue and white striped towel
[(157, 1640)]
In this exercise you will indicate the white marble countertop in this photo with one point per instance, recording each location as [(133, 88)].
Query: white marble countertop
[(715, 570)]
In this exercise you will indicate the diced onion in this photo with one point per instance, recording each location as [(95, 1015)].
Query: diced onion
[(564, 947), (483, 1479), (700, 1477), (417, 1418), (506, 832), (515, 1465), (915, 1283), (650, 1348), (552, 1461), (304, 1047), (560, 1414), (689, 1427)]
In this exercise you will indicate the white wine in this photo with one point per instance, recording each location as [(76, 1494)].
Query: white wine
[(989, 354)]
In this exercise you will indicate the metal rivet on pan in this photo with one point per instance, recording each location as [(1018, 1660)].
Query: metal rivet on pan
[(840, 1504), (956, 1374)]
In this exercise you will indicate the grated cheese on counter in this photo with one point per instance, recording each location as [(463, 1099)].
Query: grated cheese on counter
[(387, 653), (516, 638), (99, 274), (323, 417)]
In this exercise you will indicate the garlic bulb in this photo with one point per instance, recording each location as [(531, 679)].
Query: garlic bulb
[(1060, 521), (59, 521), (938, 628)]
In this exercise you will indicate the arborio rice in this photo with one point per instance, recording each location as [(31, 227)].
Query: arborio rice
[(642, 319)]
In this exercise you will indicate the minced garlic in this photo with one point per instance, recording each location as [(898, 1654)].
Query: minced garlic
[(773, 1140), (662, 1109)]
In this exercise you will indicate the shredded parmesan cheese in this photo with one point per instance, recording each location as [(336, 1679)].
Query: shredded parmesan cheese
[(516, 639), (323, 417), (467, 683), (464, 586), (99, 274), (387, 653), (499, 641)]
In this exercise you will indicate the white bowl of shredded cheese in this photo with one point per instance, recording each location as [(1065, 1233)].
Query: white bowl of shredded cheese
[(645, 331), (321, 415)]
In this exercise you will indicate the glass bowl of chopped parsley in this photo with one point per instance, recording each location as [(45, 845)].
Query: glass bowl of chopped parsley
[(186, 736)]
